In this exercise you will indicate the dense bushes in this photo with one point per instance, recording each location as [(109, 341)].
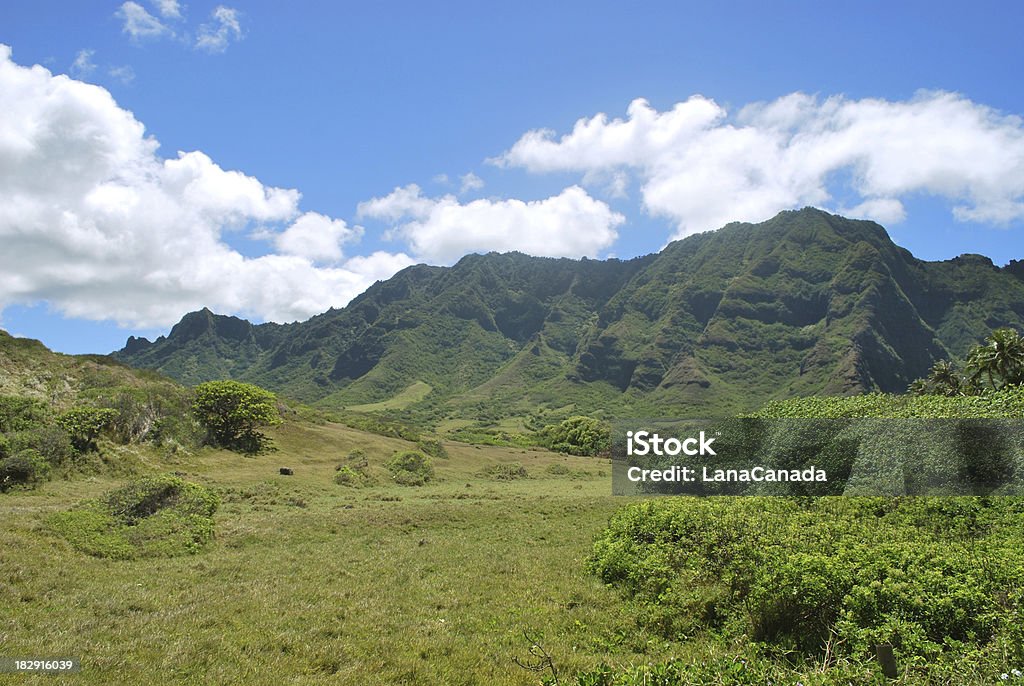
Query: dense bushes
[(937, 578), (433, 448), (1006, 403), (578, 436), (60, 439), (354, 470), (25, 468), (84, 424), (160, 516), (411, 468)]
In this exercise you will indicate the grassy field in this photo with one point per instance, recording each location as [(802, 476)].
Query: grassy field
[(413, 394), (310, 582)]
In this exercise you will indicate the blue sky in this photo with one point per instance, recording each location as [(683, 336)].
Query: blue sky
[(326, 145)]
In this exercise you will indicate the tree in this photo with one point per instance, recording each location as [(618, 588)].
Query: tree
[(943, 379), (232, 413), (1000, 360), (84, 424)]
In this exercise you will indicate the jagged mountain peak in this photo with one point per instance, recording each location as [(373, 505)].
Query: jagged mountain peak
[(806, 302)]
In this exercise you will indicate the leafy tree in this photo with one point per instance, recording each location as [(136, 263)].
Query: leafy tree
[(944, 379), (232, 413), (1000, 360), (84, 424)]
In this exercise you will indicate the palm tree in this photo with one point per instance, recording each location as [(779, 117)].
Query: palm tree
[(944, 378), (1000, 357)]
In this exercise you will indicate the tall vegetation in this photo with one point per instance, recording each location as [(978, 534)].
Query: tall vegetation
[(996, 364), (578, 436), (233, 413)]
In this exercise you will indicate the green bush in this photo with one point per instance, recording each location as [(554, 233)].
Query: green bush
[(84, 424), (1007, 403), (557, 469), (505, 471), (349, 476), (411, 468), (356, 459), (161, 516), (146, 497), (18, 414), (433, 448), (928, 575), (23, 469), (578, 436)]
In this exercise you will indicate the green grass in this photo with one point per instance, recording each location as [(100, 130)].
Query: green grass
[(309, 582), (413, 394)]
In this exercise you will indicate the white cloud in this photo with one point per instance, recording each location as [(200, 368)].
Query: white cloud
[(169, 9), (96, 223), (125, 74), (702, 168), (571, 224), (882, 210), (316, 237), (83, 65), (470, 182), (217, 34), (138, 23)]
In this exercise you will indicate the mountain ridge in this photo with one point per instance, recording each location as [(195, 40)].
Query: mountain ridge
[(804, 303)]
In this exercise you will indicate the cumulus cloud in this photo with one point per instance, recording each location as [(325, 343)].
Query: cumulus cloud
[(316, 237), (217, 34), (571, 224), (96, 223), (139, 23), (83, 65), (701, 167), (470, 182)]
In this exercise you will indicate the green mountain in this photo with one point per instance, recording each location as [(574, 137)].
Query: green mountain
[(805, 303)]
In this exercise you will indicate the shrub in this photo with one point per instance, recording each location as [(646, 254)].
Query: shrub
[(433, 448), (25, 468), (557, 469), (411, 468), (356, 459), (159, 516), (505, 471), (348, 476), (17, 413), (146, 497), (578, 436), (232, 413), (84, 424), (796, 574)]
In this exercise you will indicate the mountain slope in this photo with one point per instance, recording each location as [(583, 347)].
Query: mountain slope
[(804, 303)]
